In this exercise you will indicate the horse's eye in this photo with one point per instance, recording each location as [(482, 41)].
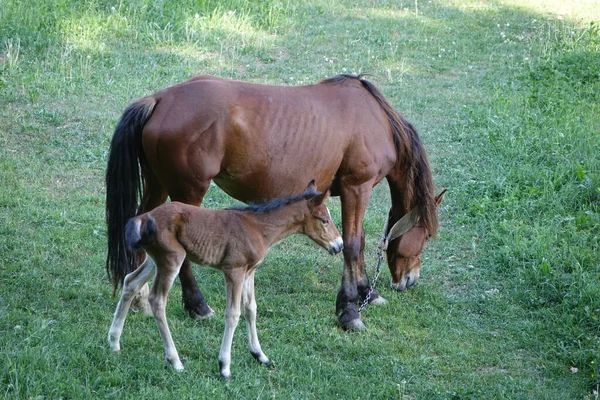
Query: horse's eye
[(325, 221)]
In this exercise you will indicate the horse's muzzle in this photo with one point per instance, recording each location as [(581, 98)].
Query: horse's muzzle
[(336, 247)]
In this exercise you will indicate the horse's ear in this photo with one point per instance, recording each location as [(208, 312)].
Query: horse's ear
[(440, 197), (312, 187), (319, 199)]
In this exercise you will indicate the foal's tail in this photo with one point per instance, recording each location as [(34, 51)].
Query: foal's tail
[(124, 185), (140, 232)]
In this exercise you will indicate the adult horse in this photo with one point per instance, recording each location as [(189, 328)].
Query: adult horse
[(259, 142)]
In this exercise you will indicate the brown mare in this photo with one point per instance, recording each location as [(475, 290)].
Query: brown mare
[(259, 142), (234, 241)]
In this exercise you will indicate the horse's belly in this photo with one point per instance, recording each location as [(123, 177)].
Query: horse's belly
[(252, 186)]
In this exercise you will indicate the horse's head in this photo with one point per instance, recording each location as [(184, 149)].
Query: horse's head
[(318, 225), (404, 253)]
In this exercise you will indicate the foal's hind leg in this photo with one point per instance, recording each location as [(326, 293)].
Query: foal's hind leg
[(153, 196), (249, 305), (167, 269), (131, 286), (234, 280)]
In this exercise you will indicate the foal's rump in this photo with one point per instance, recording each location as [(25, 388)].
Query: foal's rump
[(140, 232)]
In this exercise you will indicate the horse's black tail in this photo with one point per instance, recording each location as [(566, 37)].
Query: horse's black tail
[(140, 232), (124, 186)]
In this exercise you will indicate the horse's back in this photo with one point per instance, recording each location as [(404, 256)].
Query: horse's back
[(262, 141)]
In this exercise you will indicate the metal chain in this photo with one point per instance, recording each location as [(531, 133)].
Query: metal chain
[(381, 249)]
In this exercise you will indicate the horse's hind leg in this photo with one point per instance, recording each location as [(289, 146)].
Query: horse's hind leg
[(167, 269), (249, 305), (193, 299), (131, 285)]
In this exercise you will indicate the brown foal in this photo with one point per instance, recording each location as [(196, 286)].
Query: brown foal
[(234, 241)]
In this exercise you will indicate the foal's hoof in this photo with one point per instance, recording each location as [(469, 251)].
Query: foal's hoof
[(226, 375), (354, 325), (176, 364), (261, 358), (114, 344)]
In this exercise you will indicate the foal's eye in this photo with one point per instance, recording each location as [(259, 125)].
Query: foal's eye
[(325, 221)]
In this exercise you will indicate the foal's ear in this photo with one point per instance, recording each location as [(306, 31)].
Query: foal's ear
[(312, 187), (319, 199), (440, 197)]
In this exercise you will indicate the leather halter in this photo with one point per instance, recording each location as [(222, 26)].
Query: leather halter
[(403, 225)]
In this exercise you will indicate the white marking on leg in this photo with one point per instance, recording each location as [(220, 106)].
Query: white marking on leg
[(131, 285), (158, 301), (234, 281), (249, 304)]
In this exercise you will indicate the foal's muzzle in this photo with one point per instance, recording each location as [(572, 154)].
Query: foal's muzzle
[(336, 247)]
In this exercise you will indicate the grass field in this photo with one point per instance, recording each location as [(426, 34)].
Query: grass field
[(506, 97)]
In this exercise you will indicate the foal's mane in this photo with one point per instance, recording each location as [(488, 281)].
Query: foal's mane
[(412, 158), (275, 204)]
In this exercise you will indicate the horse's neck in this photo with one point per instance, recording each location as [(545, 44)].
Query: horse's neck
[(398, 192)]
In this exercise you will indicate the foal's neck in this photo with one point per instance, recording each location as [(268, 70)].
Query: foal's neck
[(276, 225)]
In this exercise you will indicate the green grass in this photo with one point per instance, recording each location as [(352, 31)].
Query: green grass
[(505, 96)]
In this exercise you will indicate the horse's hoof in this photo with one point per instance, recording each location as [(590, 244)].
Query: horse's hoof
[(378, 301), (354, 325), (203, 313)]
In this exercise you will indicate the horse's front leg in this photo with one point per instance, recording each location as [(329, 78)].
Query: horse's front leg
[(234, 281), (363, 280), (354, 205)]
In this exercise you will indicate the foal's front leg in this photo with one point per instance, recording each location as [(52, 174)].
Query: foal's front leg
[(249, 304), (234, 280)]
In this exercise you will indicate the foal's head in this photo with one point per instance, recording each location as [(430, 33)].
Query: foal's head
[(318, 225), (404, 254)]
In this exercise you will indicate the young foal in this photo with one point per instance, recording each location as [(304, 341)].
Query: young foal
[(234, 241)]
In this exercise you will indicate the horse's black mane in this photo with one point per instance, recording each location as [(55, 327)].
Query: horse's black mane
[(275, 204), (344, 77)]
